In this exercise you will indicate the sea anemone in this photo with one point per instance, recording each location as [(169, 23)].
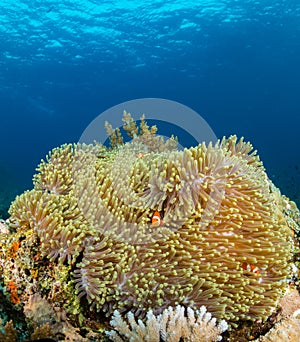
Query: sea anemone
[(223, 241)]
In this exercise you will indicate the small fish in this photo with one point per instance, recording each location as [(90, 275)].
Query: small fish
[(50, 9), (141, 155), (250, 268), (156, 219)]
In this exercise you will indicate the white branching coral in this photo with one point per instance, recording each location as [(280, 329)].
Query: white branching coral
[(172, 325)]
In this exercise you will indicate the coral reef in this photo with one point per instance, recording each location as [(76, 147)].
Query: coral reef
[(286, 330), (172, 325), (4, 229), (9, 333), (82, 243), (287, 321)]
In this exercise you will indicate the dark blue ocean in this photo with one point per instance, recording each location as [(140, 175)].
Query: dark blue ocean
[(62, 63)]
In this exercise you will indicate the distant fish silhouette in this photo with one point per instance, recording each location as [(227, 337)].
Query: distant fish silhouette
[(50, 9), (38, 106)]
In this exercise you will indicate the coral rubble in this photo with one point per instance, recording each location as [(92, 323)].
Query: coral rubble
[(83, 239)]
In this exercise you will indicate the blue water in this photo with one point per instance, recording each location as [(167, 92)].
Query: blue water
[(62, 63)]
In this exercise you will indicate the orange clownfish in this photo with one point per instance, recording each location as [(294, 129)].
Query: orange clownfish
[(156, 220), (141, 155), (250, 268)]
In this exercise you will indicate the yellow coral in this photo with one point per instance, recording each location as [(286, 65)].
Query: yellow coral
[(56, 219)]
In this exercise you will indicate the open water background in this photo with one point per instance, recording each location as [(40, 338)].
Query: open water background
[(62, 63)]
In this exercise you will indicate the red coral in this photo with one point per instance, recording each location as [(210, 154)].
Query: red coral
[(14, 248), (12, 288)]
